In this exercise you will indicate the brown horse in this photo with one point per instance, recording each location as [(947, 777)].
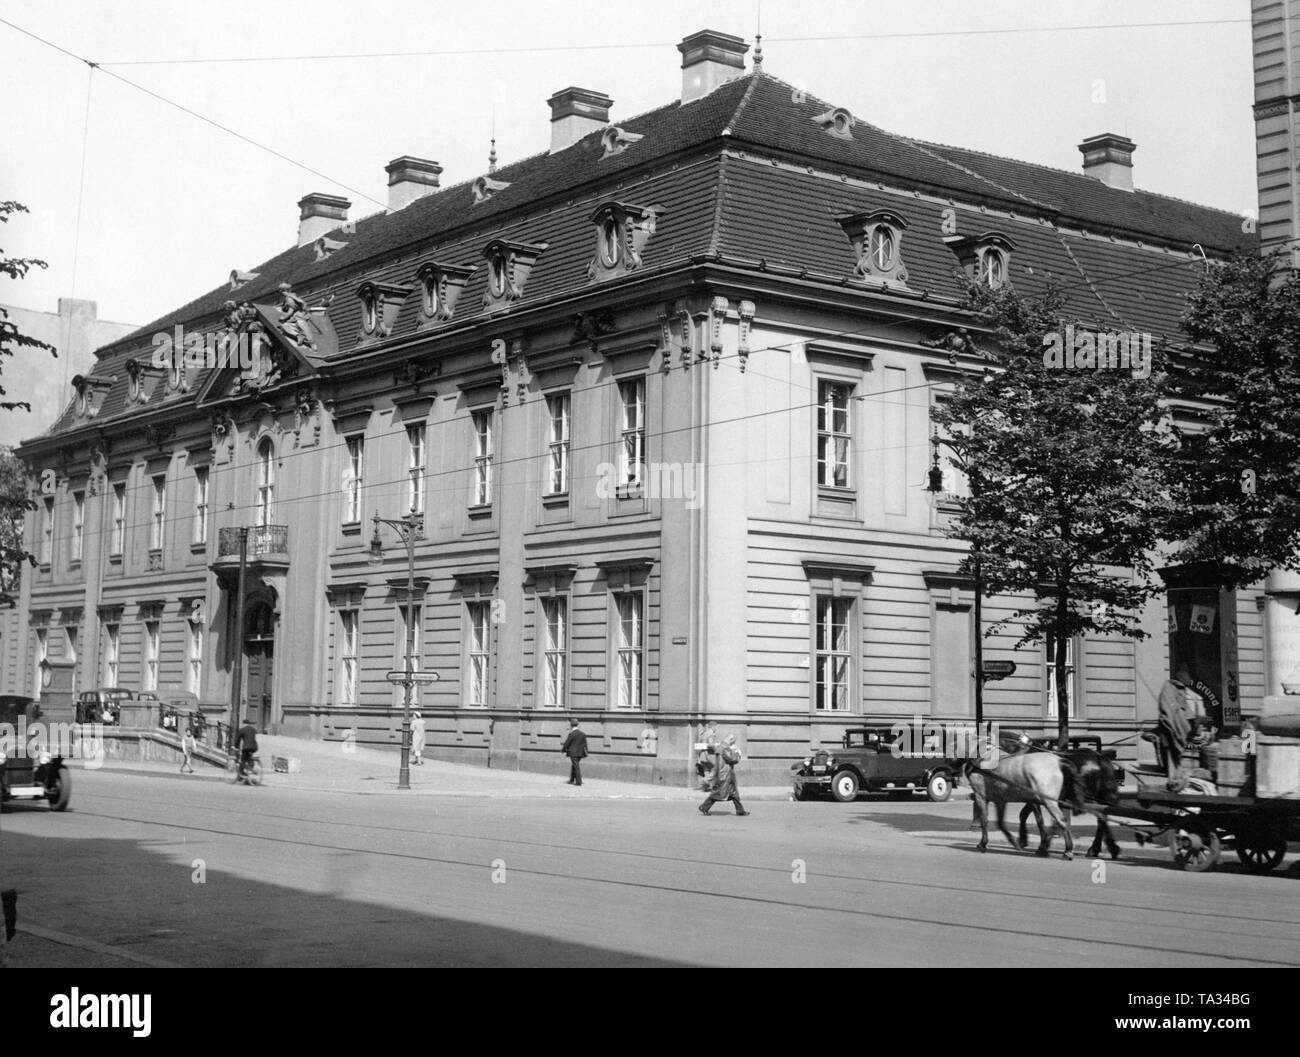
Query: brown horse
[(1035, 777)]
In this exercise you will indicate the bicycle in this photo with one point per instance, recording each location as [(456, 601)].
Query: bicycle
[(251, 776)]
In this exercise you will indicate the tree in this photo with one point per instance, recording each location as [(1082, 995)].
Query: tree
[(1239, 495), (1067, 468), (14, 500)]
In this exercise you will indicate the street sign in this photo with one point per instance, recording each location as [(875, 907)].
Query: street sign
[(998, 669), (417, 678)]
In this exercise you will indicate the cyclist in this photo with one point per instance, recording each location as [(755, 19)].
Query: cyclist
[(246, 742)]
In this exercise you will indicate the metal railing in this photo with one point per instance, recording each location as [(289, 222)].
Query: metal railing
[(263, 541)]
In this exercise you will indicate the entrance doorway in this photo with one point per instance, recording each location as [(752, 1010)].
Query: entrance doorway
[(259, 658)]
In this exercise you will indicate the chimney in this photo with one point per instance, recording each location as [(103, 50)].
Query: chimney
[(710, 60), (576, 112), (318, 214), (410, 178), (1109, 158)]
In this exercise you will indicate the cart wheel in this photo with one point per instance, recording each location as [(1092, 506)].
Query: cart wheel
[(1195, 851), (844, 787), (1261, 852)]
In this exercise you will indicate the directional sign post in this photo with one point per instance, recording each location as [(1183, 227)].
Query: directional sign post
[(994, 670)]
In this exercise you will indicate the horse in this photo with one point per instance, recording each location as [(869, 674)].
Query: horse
[(1038, 777), (1091, 783)]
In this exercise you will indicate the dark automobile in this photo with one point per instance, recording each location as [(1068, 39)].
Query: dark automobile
[(877, 759), (21, 776), (103, 705)]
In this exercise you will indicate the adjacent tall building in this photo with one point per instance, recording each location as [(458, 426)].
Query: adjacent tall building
[(661, 399)]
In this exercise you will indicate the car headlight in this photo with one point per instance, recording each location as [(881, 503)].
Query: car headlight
[(45, 758), (830, 761), (3, 757), (807, 761)]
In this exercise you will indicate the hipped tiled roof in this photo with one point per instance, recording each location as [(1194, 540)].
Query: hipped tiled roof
[(747, 172)]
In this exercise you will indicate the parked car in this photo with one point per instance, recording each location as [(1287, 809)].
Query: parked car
[(867, 761), (21, 777), (103, 705)]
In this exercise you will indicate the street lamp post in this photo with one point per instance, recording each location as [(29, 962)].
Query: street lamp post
[(408, 528)]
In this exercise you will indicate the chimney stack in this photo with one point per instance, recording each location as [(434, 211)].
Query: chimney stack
[(410, 178), (574, 113), (319, 214), (1109, 158), (710, 60)]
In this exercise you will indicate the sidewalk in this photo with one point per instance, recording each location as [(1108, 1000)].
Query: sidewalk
[(327, 768)]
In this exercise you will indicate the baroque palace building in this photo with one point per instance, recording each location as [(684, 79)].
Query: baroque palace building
[(661, 397)]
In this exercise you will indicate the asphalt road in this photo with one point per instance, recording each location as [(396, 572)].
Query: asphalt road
[(159, 871)]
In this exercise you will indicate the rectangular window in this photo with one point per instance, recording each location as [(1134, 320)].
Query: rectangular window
[(1050, 665), (42, 659), (47, 531), (832, 654), (408, 621), (354, 478), (415, 469), (194, 656), (629, 644), (200, 536), (112, 652), (348, 656), (482, 458), (632, 453), (833, 434), (555, 652), (78, 523), (557, 409), (151, 651), (119, 522), (479, 653), (159, 513)]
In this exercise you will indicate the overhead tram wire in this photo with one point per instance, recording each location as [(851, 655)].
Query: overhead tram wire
[(550, 48), (193, 113)]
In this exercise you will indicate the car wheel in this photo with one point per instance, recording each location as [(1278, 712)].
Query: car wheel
[(939, 787), (844, 787), (60, 790)]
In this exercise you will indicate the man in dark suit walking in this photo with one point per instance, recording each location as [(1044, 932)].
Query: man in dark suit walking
[(575, 748)]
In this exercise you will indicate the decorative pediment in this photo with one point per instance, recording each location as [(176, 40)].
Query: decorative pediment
[(509, 266), (622, 231), (380, 303), (440, 287), (262, 346)]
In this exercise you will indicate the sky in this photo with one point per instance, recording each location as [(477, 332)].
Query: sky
[(142, 207)]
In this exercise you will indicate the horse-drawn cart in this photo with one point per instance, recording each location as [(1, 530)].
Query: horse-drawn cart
[(1198, 826)]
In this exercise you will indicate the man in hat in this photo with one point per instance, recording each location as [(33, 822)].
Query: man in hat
[(575, 748), (726, 787), (1174, 726), (417, 738)]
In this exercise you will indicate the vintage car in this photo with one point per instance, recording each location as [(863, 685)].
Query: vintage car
[(869, 760), (103, 705), (21, 777)]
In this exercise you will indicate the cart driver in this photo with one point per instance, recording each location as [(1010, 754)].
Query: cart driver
[(1174, 728)]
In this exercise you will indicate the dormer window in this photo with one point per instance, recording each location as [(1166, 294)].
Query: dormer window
[(622, 231), (877, 239), (509, 266), (837, 122), (985, 258), (615, 141), (993, 268), (883, 248), (138, 375), (380, 303), (89, 388), (485, 187), (440, 288)]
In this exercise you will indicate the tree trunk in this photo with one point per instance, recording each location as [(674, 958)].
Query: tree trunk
[(1062, 644)]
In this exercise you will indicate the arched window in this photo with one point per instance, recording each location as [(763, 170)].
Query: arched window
[(993, 268), (265, 483), (882, 248)]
